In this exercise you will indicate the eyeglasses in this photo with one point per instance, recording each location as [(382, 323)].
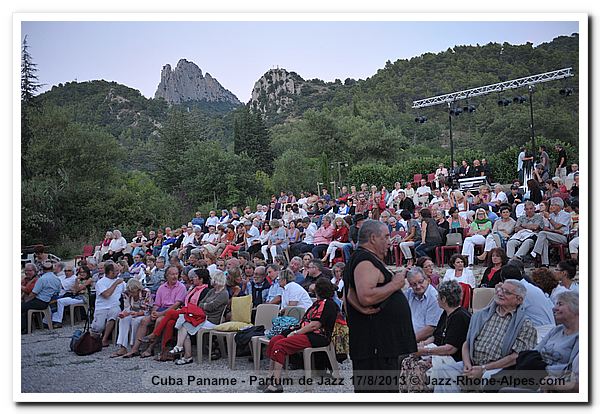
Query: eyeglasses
[(505, 292), (417, 282)]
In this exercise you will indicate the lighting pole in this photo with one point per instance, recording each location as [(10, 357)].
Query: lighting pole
[(451, 141), (531, 115), (339, 165), (332, 184)]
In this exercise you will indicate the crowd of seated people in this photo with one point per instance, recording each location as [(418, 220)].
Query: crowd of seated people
[(278, 253)]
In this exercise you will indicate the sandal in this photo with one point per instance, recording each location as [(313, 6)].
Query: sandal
[(164, 357), (176, 350), (184, 361), (146, 354), (132, 354), (119, 353)]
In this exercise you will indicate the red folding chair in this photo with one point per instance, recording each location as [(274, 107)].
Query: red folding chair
[(561, 249), (396, 246), (88, 250), (440, 253), (417, 179), (467, 294)]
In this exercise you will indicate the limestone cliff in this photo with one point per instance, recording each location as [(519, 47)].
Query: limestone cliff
[(275, 91), (186, 83)]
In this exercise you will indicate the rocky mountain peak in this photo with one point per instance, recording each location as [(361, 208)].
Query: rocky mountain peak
[(187, 83), (275, 90)]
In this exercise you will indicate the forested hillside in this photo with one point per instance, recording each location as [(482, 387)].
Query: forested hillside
[(100, 155)]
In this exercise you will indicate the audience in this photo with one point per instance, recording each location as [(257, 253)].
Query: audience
[(450, 343)]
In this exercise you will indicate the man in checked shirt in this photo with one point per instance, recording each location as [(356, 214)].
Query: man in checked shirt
[(496, 335)]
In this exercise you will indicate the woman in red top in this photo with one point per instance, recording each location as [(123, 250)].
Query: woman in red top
[(28, 281), (315, 330), (491, 275), (235, 242), (103, 247), (340, 238)]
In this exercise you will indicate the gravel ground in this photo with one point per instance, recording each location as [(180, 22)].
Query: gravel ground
[(45, 353)]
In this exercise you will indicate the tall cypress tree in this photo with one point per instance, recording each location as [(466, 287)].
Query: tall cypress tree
[(29, 86), (250, 135)]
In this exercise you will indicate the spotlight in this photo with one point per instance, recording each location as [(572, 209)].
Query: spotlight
[(566, 91), (456, 111), (469, 108), (504, 102), (519, 99), (421, 119)]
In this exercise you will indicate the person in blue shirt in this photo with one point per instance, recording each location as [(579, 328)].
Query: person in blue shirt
[(198, 221), (46, 288)]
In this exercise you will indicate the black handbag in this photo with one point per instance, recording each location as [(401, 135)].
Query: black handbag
[(530, 361), (243, 337)]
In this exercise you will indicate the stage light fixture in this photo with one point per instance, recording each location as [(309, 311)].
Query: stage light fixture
[(421, 119), (456, 111), (566, 91), (504, 102), (519, 99)]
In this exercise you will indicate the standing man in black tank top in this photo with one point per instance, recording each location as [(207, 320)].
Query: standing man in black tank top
[(379, 318)]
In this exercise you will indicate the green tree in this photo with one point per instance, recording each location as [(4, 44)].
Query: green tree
[(296, 172), (209, 172), (72, 170), (177, 136), (250, 136), (29, 86)]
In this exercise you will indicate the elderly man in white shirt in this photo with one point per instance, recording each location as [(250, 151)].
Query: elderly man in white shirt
[(424, 307), (252, 236), (212, 219), (188, 240), (499, 196), (293, 293), (397, 189), (210, 240), (116, 247), (422, 193)]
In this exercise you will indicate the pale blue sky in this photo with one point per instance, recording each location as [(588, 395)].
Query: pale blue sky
[(238, 53)]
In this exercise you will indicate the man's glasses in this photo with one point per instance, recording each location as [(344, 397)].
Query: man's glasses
[(505, 292)]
